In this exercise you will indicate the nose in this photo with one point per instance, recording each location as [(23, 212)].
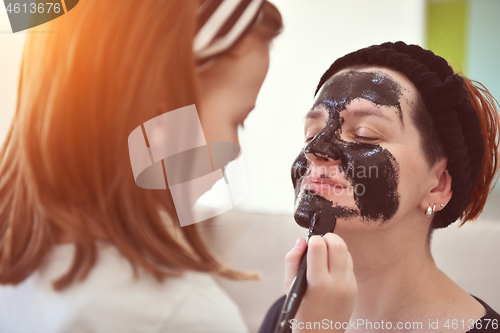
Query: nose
[(320, 164), (323, 149), (321, 160)]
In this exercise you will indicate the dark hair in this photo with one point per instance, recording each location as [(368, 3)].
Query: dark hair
[(430, 143), (271, 24)]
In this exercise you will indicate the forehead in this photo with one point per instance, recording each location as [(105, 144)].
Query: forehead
[(381, 76), (379, 85), (395, 75)]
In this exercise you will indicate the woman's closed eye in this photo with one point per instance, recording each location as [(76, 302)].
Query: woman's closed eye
[(365, 135), (309, 138), (365, 138), (310, 134)]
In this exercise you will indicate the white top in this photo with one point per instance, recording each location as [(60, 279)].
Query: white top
[(110, 300)]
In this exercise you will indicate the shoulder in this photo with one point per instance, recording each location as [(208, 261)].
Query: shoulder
[(111, 299), (207, 308), (192, 302), (489, 323), (272, 316)]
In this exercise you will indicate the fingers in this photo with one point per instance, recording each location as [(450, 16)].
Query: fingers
[(292, 262), (317, 258), (337, 253), (327, 255), (331, 284)]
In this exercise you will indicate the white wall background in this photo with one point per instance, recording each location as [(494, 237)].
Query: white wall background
[(483, 47), (483, 50), (316, 33)]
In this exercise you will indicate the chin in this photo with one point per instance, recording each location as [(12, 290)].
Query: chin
[(234, 137), (227, 134), (342, 200)]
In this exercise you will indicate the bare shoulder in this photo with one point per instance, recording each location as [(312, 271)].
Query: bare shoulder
[(460, 313)]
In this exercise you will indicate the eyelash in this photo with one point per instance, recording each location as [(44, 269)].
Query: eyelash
[(365, 138), (358, 137)]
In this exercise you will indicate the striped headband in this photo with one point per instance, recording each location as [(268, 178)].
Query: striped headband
[(221, 24)]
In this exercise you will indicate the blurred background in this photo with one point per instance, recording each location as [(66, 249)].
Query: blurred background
[(258, 234)]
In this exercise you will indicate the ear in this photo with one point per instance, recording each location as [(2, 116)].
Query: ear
[(440, 192)]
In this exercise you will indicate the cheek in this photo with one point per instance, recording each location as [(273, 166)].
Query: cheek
[(413, 176), (246, 83), (219, 127), (257, 67), (374, 173), (265, 64), (298, 171)]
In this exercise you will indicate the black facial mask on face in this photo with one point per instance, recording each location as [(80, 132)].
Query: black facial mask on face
[(375, 189)]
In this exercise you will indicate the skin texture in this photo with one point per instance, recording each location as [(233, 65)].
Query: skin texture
[(228, 89), (395, 276)]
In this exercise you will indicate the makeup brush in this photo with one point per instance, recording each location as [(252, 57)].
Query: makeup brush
[(322, 222)]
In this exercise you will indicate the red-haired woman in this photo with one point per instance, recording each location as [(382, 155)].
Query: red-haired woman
[(397, 146), (82, 247)]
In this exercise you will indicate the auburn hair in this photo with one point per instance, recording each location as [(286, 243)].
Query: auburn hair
[(485, 105), (65, 166)]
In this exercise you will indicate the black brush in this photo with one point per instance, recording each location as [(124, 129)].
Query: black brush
[(321, 223)]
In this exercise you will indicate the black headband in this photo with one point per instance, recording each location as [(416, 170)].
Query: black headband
[(445, 98)]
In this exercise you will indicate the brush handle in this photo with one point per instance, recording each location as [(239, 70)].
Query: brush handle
[(299, 284), (294, 297)]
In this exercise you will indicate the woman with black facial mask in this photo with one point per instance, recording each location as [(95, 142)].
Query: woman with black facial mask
[(397, 145)]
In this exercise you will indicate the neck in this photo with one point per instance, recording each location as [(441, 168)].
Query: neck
[(394, 270)]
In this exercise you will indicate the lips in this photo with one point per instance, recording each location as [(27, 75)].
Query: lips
[(325, 185)]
